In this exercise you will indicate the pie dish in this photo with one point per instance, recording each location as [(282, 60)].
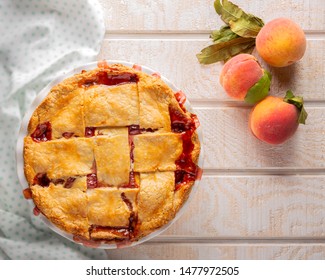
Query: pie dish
[(111, 155)]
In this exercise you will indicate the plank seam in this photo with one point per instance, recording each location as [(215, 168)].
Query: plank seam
[(182, 35), (237, 172), (212, 103), (231, 241)]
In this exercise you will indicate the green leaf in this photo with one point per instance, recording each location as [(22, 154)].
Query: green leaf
[(225, 50), (241, 23), (249, 49), (244, 29), (223, 35), (289, 95), (298, 101), (302, 116), (258, 20), (227, 10), (260, 90), (238, 36)]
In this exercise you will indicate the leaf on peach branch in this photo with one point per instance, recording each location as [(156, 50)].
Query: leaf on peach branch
[(298, 101), (225, 50), (224, 34), (237, 36), (241, 23), (260, 90)]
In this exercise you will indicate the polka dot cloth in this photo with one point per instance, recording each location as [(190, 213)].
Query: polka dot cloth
[(40, 39)]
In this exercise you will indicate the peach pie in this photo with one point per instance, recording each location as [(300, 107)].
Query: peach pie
[(111, 154)]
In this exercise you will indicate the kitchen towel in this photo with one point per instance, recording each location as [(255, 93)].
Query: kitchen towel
[(40, 39)]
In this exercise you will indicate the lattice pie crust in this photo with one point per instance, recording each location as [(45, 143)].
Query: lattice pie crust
[(111, 154)]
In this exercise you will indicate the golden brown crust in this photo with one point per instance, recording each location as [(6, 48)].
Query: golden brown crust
[(111, 106), (112, 160), (108, 234), (197, 148), (133, 174), (57, 98), (181, 195), (66, 208), (107, 207), (154, 99), (157, 187), (61, 94), (58, 158), (161, 152)]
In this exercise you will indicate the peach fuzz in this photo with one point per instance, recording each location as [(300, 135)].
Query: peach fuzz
[(281, 42), (273, 120), (239, 74)]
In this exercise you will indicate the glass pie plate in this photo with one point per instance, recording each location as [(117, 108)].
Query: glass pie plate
[(20, 158)]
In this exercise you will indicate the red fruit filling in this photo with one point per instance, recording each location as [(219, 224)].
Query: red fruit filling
[(36, 211), (121, 233), (102, 64), (27, 193), (42, 133), (58, 181), (187, 170), (181, 99), (182, 176), (103, 78), (92, 181), (67, 135), (69, 182), (184, 162), (41, 179), (135, 129), (137, 67), (181, 122), (90, 131), (133, 219)]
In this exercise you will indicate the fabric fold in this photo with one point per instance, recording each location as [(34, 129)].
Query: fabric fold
[(40, 41)]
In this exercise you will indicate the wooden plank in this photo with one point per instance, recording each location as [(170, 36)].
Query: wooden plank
[(199, 15), (229, 144), (176, 60), (254, 207), (271, 251), (233, 216)]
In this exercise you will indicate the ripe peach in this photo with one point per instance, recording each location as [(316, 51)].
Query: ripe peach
[(281, 42), (273, 120), (239, 74)]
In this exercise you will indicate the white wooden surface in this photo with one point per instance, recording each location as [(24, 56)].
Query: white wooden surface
[(255, 201)]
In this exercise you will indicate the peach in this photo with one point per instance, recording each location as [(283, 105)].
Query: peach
[(273, 120), (239, 74), (281, 42)]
